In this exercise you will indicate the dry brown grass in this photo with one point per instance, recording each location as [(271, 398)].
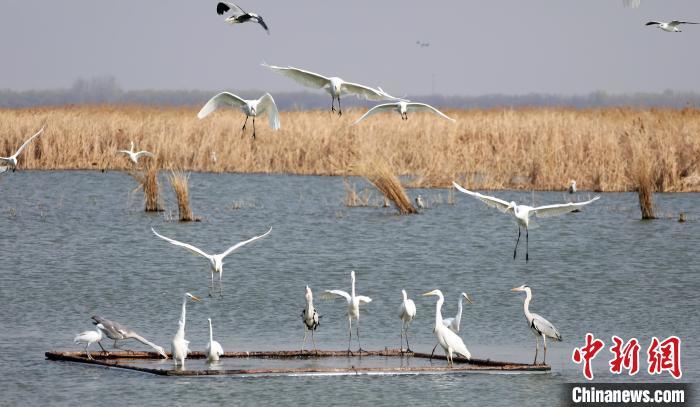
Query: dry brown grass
[(180, 183), (538, 148), (147, 178), (379, 173)]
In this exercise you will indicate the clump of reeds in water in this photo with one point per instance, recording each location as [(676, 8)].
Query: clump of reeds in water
[(644, 176), (379, 173), (180, 183), (352, 197), (148, 181)]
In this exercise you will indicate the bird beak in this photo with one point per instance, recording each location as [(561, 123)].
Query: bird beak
[(195, 298), (469, 300), (427, 294), (516, 289)]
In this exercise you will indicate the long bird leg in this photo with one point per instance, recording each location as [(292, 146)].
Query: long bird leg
[(332, 104), (103, 349), (359, 345), (221, 285), (527, 241), (544, 341), (433, 352), (314, 341), (88, 353), (340, 111), (244, 123), (304, 341), (408, 347), (350, 334), (211, 287), (253, 127), (515, 252), (401, 343), (537, 345)]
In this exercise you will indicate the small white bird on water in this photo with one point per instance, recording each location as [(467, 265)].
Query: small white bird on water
[(251, 108), (407, 311), (448, 340), (335, 86), (214, 349), (238, 16), (419, 202), (216, 261), (538, 325), (11, 161), (88, 338), (572, 186), (310, 318), (522, 213), (354, 302), (671, 26), (402, 107), (180, 346), (135, 155), (453, 323)]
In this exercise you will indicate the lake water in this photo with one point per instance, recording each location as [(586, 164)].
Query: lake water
[(77, 244)]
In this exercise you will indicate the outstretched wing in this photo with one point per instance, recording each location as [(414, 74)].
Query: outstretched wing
[(222, 99), (144, 153), (363, 299), (385, 107), (223, 7), (558, 209), (653, 23), (241, 244), (267, 104), (19, 150), (335, 294), (364, 92), (188, 247), (676, 22), (497, 203), (422, 107), (262, 23), (306, 78)]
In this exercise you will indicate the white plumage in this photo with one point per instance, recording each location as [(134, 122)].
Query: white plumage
[(448, 340), (538, 325), (402, 107), (88, 338), (180, 347), (265, 105), (11, 161), (670, 26), (214, 349), (135, 155), (354, 302), (407, 311)]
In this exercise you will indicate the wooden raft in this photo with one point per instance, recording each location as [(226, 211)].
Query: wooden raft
[(461, 365)]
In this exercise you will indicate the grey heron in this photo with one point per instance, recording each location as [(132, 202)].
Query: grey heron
[(118, 332), (310, 317), (538, 325)]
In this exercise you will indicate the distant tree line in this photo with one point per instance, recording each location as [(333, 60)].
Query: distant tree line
[(105, 90)]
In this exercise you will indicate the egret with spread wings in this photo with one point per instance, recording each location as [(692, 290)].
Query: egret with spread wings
[(265, 105), (135, 155), (538, 325), (354, 302), (239, 16), (403, 107), (11, 161)]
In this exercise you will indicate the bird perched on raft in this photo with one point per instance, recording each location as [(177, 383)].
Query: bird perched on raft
[(448, 340), (11, 161), (407, 311), (89, 337), (118, 332), (354, 302), (239, 16), (180, 347), (310, 317), (135, 155), (251, 108), (670, 26), (538, 325), (402, 107), (453, 323), (214, 349)]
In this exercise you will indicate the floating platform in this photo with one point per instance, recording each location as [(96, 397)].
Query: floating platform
[(297, 363)]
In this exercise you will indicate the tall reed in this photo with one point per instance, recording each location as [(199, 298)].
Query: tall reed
[(379, 173), (180, 183), (147, 178)]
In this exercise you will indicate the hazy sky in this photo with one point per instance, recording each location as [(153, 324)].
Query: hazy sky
[(476, 47)]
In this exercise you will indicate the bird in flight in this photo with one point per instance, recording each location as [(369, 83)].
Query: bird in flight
[(11, 161), (402, 107), (671, 26), (239, 16), (135, 155), (252, 108)]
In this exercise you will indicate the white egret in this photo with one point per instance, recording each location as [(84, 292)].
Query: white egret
[(88, 338), (407, 311), (135, 155), (402, 107), (453, 323), (11, 161), (448, 340), (419, 202), (238, 16), (333, 85), (214, 349), (118, 332), (354, 302), (572, 186), (252, 108), (522, 213), (179, 347), (310, 318), (538, 325), (216, 261), (671, 26)]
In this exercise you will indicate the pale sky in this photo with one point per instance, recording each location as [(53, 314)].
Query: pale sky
[(476, 47)]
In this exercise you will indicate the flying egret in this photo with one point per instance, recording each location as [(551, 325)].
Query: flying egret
[(11, 161), (88, 338), (453, 323), (135, 155), (238, 16), (450, 341), (214, 349), (407, 311), (333, 85), (118, 332), (310, 318), (216, 261), (179, 348), (252, 108), (671, 26), (572, 186), (538, 325), (354, 302), (402, 107), (522, 213)]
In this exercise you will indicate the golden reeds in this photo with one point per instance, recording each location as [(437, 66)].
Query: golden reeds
[(379, 174), (147, 178), (179, 181)]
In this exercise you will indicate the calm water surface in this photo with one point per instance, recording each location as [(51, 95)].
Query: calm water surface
[(77, 243)]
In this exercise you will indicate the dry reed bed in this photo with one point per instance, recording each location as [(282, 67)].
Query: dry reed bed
[(540, 148)]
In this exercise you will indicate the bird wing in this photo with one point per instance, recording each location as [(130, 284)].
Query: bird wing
[(267, 104), (306, 78), (545, 327), (144, 153), (653, 23), (222, 99), (363, 299), (364, 92), (189, 247), (447, 322), (241, 244), (497, 203), (411, 307), (3, 168), (456, 343), (422, 107), (558, 209), (676, 22), (223, 7), (385, 107), (262, 23), (19, 150), (112, 327), (328, 294)]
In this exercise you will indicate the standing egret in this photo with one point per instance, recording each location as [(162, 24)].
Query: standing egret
[(135, 155), (252, 108), (354, 302), (407, 311), (216, 261), (538, 325), (118, 332), (214, 349), (402, 107), (671, 26), (453, 323), (522, 213), (180, 346), (11, 161), (419, 202), (238, 16), (448, 340), (333, 85), (310, 318), (88, 338), (572, 186)]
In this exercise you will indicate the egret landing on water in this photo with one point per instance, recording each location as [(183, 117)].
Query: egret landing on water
[(265, 105), (180, 346), (118, 332), (135, 155), (450, 341), (407, 311), (453, 323), (310, 318), (538, 325), (354, 302), (11, 161), (214, 349), (88, 338), (522, 213)]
